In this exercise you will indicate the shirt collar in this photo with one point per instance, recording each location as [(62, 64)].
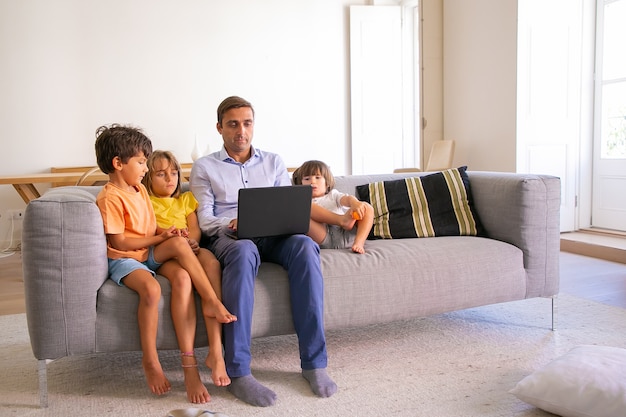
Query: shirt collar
[(227, 158)]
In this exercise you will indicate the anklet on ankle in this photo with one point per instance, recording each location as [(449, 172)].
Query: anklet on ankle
[(188, 355)]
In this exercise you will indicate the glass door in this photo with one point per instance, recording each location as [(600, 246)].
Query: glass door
[(609, 160)]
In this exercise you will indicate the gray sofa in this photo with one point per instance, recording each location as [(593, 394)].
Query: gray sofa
[(73, 309)]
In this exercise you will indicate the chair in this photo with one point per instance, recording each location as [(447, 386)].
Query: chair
[(83, 179), (440, 157)]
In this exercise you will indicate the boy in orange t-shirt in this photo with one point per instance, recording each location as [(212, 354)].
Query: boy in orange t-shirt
[(136, 247)]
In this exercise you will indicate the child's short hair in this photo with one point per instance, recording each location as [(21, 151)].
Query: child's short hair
[(121, 141), (169, 157), (313, 167)]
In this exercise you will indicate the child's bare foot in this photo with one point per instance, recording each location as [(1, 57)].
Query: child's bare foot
[(215, 309), (155, 377), (196, 391), (215, 362), (358, 248), (347, 221)]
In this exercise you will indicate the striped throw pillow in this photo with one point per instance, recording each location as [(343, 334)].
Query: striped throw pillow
[(432, 205)]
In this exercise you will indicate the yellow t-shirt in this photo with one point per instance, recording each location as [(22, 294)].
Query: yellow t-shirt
[(129, 213), (171, 211)]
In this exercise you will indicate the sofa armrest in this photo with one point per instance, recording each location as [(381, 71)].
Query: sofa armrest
[(64, 263), (524, 210)]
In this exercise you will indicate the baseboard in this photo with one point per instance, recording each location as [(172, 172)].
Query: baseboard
[(584, 243)]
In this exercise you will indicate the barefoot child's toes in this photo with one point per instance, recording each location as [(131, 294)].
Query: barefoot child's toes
[(155, 378), (215, 362), (196, 391), (358, 249), (217, 310)]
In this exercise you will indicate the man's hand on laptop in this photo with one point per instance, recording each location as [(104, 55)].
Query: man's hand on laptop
[(231, 231)]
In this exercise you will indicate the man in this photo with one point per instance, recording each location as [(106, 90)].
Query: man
[(215, 181)]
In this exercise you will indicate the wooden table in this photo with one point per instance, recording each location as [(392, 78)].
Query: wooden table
[(25, 184)]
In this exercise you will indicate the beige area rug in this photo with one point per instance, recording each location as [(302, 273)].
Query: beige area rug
[(457, 364)]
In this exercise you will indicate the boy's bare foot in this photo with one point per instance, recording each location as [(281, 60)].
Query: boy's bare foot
[(215, 309), (155, 377), (347, 221), (215, 362), (196, 391)]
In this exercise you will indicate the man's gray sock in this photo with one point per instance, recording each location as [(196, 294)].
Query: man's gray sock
[(248, 389), (321, 384)]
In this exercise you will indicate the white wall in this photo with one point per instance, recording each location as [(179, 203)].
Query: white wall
[(479, 82), (69, 66)]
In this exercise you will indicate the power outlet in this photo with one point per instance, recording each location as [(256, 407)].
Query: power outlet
[(16, 214)]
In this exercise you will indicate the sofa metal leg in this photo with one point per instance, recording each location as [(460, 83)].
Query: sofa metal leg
[(43, 383), (554, 311)]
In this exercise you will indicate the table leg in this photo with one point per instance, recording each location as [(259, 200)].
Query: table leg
[(27, 192)]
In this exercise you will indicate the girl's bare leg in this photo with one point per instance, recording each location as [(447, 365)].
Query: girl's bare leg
[(149, 290), (317, 231), (363, 229), (196, 391), (322, 215), (183, 309), (215, 358), (177, 247)]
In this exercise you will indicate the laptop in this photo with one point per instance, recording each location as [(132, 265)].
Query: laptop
[(273, 211)]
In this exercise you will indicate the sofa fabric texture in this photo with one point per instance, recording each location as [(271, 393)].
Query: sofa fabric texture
[(72, 308)]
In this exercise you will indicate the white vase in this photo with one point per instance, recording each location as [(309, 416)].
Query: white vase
[(195, 152)]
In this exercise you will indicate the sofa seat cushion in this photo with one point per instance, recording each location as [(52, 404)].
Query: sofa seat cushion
[(397, 280)]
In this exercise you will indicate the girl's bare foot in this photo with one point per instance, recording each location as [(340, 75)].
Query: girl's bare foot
[(196, 391), (358, 248), (155, 377), (347, 221), (215, 362), (217, 310)]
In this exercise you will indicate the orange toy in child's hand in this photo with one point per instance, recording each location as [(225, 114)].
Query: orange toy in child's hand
[(356, 216)]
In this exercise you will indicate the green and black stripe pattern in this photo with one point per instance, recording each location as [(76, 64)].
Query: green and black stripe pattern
[(436, 204)]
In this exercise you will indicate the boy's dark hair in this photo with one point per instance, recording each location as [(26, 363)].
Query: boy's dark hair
[(173, 162), (310, 168), (121, 141), (232, 102)]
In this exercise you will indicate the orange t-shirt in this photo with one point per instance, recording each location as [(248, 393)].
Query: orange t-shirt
[(128, 213)]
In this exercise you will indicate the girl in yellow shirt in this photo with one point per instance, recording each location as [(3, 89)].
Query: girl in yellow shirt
[(175, 208)]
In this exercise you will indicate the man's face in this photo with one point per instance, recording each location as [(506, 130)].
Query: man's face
[(237, 129)]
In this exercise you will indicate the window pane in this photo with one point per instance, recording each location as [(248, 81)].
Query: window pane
[(614, 65), (614, 121)]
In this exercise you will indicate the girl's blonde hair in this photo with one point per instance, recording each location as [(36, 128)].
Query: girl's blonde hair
[(169, 157), (313, 167)]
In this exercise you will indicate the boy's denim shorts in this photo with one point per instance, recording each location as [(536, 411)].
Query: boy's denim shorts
[(119, 268)]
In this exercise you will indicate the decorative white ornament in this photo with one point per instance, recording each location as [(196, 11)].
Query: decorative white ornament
[(195, 152)]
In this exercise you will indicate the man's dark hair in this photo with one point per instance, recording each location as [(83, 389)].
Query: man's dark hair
[(121, 141), (232, 102)]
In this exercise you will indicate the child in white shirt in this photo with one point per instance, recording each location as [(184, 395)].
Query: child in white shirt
[(334, 214)]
